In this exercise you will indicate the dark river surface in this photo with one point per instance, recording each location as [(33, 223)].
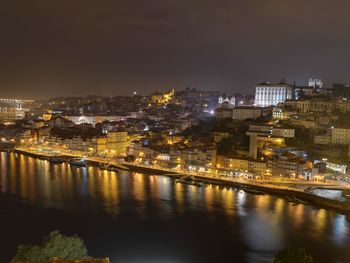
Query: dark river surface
[(132, 217)]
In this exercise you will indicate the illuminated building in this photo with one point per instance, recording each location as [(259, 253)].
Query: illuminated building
[(281, 113), (288, 165), (99, 145), (117, 142), (162, 97), (224, 162), (142, 153), (93, 119), (78, 144), (223, 99), (316, 82), (311, 174), (47, 115), (267, 94), (197, 159), (242, 164), (258, 167)]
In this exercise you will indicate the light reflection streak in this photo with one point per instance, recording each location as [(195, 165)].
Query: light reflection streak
[(179, 197), (4, 171), (241, 200), (65, 187), (340, 229), (229, 201)]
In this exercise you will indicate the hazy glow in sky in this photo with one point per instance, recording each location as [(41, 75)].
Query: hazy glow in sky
[(113, 47)]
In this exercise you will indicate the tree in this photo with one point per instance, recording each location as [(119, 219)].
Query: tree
[(290, 255), (54, 245)]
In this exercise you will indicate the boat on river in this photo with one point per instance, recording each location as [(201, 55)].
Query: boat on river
[(108, 167), (77, 162), (190, 182), (254, 191), (299, 201), (296, 200), (56, 160)]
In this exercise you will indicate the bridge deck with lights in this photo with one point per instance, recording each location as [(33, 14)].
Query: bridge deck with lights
[(17, 103)]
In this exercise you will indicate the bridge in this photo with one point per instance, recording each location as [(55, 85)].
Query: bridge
[(15, 103)]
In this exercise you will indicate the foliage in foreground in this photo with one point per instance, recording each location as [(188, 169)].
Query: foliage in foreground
[(290, 255), (54, 245)]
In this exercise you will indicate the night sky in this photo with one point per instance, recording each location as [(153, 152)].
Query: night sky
[(80, 47)]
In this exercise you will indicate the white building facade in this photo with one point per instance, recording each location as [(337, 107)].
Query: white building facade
[(316, 82), (267, 94), (223, 99)]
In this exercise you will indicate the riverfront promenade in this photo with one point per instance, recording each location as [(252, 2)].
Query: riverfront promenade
[(273, 182), (287, 188)]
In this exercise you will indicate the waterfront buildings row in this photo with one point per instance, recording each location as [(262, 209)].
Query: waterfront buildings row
[(114, 144), (170, 151), (94, 124)]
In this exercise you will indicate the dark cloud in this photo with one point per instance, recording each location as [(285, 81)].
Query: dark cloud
[(78, 47)]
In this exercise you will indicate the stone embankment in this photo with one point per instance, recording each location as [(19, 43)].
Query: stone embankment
[(293, 194)]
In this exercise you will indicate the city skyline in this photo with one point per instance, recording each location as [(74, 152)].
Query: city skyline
[(175, 131), (49, 49), (162, 90)]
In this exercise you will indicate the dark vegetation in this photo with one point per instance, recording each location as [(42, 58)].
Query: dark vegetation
[(290, 255), (54, 245)]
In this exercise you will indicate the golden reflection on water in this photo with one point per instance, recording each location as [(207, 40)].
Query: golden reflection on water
[(192, 196), (179, 197), (3, 161), (320, 221), (297, 214), (138, 187), (263, 202), (139, 193), (153, 180), (228, 196), (67, 187), (23, 182), (22, 168), (109, 190), (209, 195), (165, 185), (279, 209)]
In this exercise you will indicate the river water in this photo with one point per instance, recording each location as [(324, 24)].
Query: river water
[(132, 217)]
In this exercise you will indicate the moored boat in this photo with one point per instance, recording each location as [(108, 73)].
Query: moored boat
[(254, 191), (190, 182), (56, 160), (108, 167), (78, 162), (299, 201)]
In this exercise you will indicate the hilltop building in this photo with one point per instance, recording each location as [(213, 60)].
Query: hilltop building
[(268, 94), (227, 101)]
